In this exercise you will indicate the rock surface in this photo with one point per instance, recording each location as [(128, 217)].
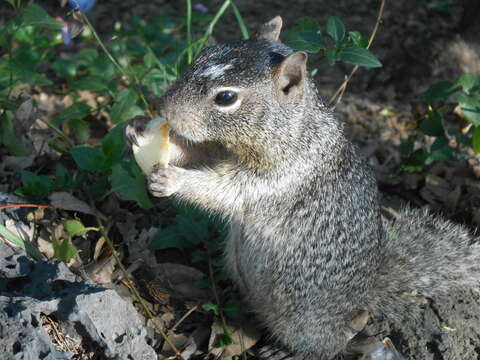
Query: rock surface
[(95, 317)]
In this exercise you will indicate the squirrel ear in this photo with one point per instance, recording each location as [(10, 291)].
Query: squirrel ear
[(290, 75), (270, 31)]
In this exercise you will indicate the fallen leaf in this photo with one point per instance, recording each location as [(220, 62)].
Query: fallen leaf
[(66, 201), (243, 338)]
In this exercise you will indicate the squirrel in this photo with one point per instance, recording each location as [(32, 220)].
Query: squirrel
[(307, 245)]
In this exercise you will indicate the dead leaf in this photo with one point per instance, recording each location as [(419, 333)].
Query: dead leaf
[(100, 272), (17, 163), (181, 279), (243, 336), (66, 201), (25, 116), (199, 336)]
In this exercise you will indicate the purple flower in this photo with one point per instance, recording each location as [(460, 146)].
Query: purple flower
[(67, 39), (200, 8)]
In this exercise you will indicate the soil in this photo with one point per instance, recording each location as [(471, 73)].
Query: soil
[(418, 46)]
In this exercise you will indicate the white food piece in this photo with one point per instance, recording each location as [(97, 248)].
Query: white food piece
[(153, 145)]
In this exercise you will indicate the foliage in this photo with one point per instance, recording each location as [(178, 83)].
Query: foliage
[(444, 98), (337, 45)]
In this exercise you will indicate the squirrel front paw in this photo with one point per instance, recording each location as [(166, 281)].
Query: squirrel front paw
[(165, 181), (135, 128)]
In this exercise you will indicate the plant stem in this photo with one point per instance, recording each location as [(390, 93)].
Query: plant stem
[(336, 97), (241, 22), (134, 290), (212, 24), (189, 31)]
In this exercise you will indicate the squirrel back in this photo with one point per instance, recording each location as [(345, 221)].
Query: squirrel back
[(307, 246)]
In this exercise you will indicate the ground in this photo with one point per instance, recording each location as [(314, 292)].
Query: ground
[(418, 46)]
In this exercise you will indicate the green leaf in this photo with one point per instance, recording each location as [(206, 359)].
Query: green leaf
[(77, 111), (128, 182), (74, 228), (18, 241), (476, 140), (336, 29), (225, 340), (35, 186), (432, 125), (305, 36), (64, 250), (468, 82), (65, 68), (210, 306), (470, 106), (124, 107), (168, 238), (35, 15), (194, 230), (330, 54), (63, 181), (114, 145), (86, 56), (358, 56), (416, 161), (89, 158), (92, 83), (357, 39), (440, 91), (81, 129)]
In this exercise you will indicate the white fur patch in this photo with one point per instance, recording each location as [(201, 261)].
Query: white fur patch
[(215, 71)]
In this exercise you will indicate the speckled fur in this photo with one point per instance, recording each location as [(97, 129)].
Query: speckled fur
[(307, 245)]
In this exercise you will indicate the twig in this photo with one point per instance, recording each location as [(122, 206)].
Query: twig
[(341, 89), (182, 319), (135, 292)]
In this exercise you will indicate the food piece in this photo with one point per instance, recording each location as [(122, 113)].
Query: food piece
[(153, 145)]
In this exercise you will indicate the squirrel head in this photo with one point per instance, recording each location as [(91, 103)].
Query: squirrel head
[(245, 95)]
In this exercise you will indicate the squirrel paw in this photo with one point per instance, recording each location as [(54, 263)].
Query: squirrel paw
[(165, 181), (135, 127)]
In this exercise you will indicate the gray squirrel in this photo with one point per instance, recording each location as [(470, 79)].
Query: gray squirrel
[(307, 245)]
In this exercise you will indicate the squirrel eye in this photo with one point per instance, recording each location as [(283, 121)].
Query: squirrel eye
[(225, 98)]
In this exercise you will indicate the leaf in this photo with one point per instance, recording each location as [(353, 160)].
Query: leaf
[(114, 144), (306, 36), (62, 180), (336, 29), (35, 15), (470, 106), (77, 111), (168, 238), (64, 250), (89, 158), (124, 107), (81, 129), (128, 182), (440, 91), (66, 201), (74, 228), (34, 186), (18, 241), (192, 229), (357, 39), (432, 125), (330, 54), (468, 82), (476, 140), (92, 83), (210, 306), (358, 56)]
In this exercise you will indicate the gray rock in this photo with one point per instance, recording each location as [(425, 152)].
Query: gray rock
[(95, 316)]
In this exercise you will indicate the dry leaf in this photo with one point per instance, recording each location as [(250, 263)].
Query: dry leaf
[(181, 279), (66, 201), (100, 272), (243, 337)]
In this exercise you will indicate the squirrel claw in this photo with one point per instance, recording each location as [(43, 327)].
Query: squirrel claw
[(135, 127), (164, 182)]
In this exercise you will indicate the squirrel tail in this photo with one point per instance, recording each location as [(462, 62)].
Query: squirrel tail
[(425, 255)]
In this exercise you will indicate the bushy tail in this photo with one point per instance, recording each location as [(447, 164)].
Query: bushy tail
[(425, 255)]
